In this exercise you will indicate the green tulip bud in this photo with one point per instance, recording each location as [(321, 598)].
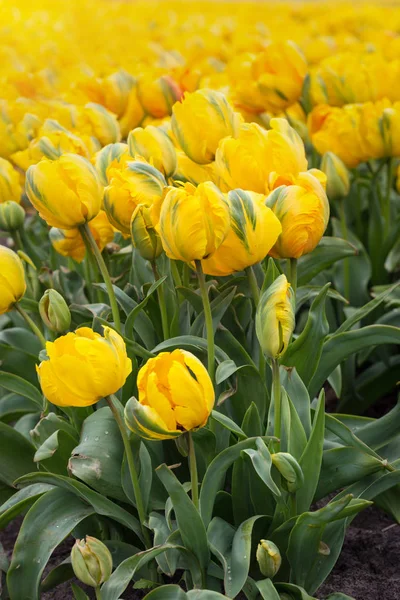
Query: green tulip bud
[(144, 236), (91, 561), (268, 558), (275, 318), (12, 216), (54, 311), (337, 174), (289, 469)]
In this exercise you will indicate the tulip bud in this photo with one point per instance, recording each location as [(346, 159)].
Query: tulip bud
[(54, 311), (338, 180), (268, 558), (91, 561), (144, 236), (290, 470), (275, 318), (12, 216), (12, 279)]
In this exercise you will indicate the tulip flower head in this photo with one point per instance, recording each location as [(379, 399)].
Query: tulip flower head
[(10, 187), (12, 279), (83, 367), (144, 236), (109, 157), (175, 395), (155, 146)]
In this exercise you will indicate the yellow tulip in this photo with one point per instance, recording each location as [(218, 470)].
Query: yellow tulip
[(155, 146), (137, 183), (17, 127), (200, 121), (175, 395), (337, 176), (192, 222), (91, 561), (108, 157), (257, 159), (66, 192), (303, 210), (12, 279), (95, 120), (275, 318), (380, 129), (69, 242), (144, 236), (10, 187), (188, 171), (133, 114), (158, 95), (253, 231), (83, 367)]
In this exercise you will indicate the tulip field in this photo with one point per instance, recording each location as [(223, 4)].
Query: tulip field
[(199, 298)]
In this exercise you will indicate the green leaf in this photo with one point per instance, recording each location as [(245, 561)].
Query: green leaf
[(98, 457), (20, 501), (54, 453), (204, 595), (167, 592), (101, 505), (130, 321), (225, 370), (78, 592), (339, 347), (251, 424), (293, 437), (294, 591), (191, 343), (46, 524), (16, 454), (298, 394), (311, 459), (228, 424), (219, 306), (262, 463), (267, 590), (19, 350), (20, 386), (190, 524), (59, 574), (168, 560), (13, 406), (328, 251), (304, 353), (48, 425)]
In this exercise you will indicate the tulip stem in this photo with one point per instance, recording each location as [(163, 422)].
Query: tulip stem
[(98, 593), (18, 240), (386, 206), (31, 324), (161, 302), (208, 319), (132, 470), (292, 275), (194, 479), (276, 388), (251, 278), (88, 237), (346, 264)]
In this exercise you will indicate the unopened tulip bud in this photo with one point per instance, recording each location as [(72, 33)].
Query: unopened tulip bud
[(91, 561), (290, 470), (54, 311), (144, 236), (268, 558), (275, 318), (12, 216), (338, 179)]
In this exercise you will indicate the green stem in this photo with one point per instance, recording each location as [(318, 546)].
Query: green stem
[(161, 302), (293, 273), (276, 388), (186, 275), (193, 471), (386, 203), (208, 319), (18, 240), (346, 264), (98, 593), (175, 273), (293, 505), (132, 470), (88, 237), (251, 278), (31, 324)]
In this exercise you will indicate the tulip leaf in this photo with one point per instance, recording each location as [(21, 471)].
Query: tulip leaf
[(13, 406), (304, 353), (294, 591), (262, 463), (78, 592), (311, 459), (98, 457), (215, 475), (267, 590), (20, 501), (225, 370), (379, 432), (204, 595), (16, 384), (48, 425), (189, 521), (293, 437), (130, 321), (298, 394), (251, 424), (101, 505), (55, 452), (59, 574), (53, 516), (191, 343), (233, 549), (339, 347), (167, 592), (219, 306), (328, 251), (167, 561), (19, 350), (16, 454)]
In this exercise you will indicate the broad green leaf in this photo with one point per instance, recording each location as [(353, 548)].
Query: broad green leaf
[(20, 386), (380, 432), (16, 454), (168, 560), (130, 321), (167, 592), (328, 251), (98, 457), (262, 463), (204, 595), (251, 424), (228, 424), (20, 501), (55, 452), (59, 574), (293, 437), (225, 370), (345, 434), (46, 524), (304, 353), (191, 343), (101, 505), (311, 459), (308, 292), (267, 590), (298, 394), (294, 591), (219, 306), (189, 521), (13, 406), (78, 592), (339, 347), (19, 350), (48, 425)]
